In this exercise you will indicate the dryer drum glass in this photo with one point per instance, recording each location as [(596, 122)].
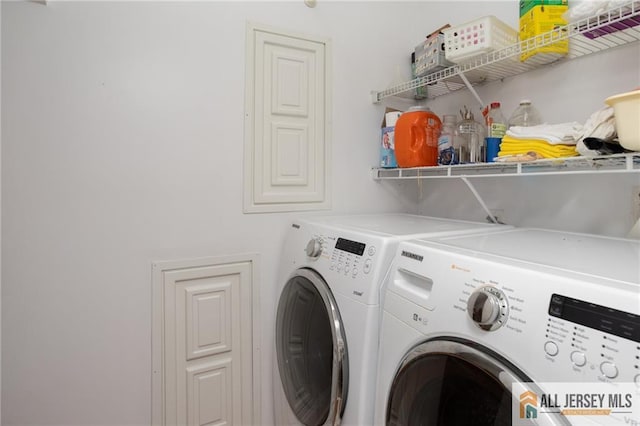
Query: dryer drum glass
[(304, 347)]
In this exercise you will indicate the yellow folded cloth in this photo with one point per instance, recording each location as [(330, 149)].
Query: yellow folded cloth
[(513, 146), (516, 139)]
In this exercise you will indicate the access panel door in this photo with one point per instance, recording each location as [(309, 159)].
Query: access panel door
[(206, 346)]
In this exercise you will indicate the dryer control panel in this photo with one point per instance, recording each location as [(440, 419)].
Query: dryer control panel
[(593, 340), (347, 257), (351, 263)]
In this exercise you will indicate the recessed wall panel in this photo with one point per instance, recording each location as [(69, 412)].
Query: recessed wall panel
[(287, 150), (290, 80), (289, 155), (210, 394), (208, 317)]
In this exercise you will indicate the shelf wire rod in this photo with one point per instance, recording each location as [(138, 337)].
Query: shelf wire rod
[(480, 200), (471, 89)]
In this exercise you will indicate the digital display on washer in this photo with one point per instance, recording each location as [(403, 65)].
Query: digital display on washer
[(350, 246), (612, 321)]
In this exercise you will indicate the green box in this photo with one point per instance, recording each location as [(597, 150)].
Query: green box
[(527, 5)]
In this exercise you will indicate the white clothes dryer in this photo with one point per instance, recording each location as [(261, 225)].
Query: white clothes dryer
[(466, 318), (328, 312)]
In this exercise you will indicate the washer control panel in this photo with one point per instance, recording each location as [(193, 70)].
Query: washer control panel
[(595, 341)]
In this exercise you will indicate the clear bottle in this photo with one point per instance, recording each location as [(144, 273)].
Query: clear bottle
[(525, 115), (447, 141), (471, 137), (496, 123)]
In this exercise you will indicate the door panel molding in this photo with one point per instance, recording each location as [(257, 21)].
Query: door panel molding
[(287, 141), (206, 341)]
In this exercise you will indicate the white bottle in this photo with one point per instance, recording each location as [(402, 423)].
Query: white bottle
[(525, 115), (496, 123)]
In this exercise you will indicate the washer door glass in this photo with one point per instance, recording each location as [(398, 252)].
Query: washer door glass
[(311, 350), (454, 382)]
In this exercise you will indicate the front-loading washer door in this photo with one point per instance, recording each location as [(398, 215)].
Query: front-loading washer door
[(453, 381), (311, 350)]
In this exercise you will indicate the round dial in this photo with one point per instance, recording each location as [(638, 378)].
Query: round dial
[(487, 307), (314, 248)]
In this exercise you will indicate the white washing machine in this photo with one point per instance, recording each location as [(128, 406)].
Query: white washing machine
[(465, 318), (328, 312)]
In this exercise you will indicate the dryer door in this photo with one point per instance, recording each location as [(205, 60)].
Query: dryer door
[(456, 382), (311, 350)]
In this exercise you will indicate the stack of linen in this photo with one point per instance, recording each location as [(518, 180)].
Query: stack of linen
[(545, 140)]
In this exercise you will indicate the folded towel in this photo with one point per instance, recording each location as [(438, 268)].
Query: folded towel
[(601, 125), (563, 133), (511, 140), (545, 153), (511, 146)]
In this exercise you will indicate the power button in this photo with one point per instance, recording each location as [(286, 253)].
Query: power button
[(367, 266), (609, 370), (551, 348)]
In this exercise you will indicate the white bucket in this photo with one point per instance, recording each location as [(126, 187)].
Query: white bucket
[(626, 109)]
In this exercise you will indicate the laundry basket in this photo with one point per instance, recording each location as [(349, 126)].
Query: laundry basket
[(476, 37)]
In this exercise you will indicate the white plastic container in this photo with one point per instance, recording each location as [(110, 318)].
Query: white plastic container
[(476, 37), (496, 123), (626, 110), (525, 115)]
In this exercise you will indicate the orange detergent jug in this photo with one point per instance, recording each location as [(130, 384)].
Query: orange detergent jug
[(416, 138)]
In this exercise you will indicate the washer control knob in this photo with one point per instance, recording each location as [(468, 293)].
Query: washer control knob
[(314, 248), (487, 307), (609, 370), (578, 358), (551, 349)]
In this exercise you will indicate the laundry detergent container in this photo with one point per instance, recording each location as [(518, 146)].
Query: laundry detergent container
[(416, 138)]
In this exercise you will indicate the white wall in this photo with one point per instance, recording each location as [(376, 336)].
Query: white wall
[(122, 144)]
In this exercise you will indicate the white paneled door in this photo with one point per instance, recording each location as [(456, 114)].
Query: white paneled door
[(287, 132), (203, 334)]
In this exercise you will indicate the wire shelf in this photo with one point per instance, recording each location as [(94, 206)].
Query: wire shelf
[(616, 163), (614, 28)]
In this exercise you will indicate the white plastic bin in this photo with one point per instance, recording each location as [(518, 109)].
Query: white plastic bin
[(476, 37)]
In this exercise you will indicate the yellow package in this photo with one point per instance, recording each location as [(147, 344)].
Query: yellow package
[(537, 33)]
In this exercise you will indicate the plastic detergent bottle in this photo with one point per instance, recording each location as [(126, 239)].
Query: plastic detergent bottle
[(446, 142), (471, 137), (496, 123), (525, 115), (416, 138)]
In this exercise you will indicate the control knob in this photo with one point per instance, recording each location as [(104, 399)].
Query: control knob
[(314, 248), (487, 307)]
